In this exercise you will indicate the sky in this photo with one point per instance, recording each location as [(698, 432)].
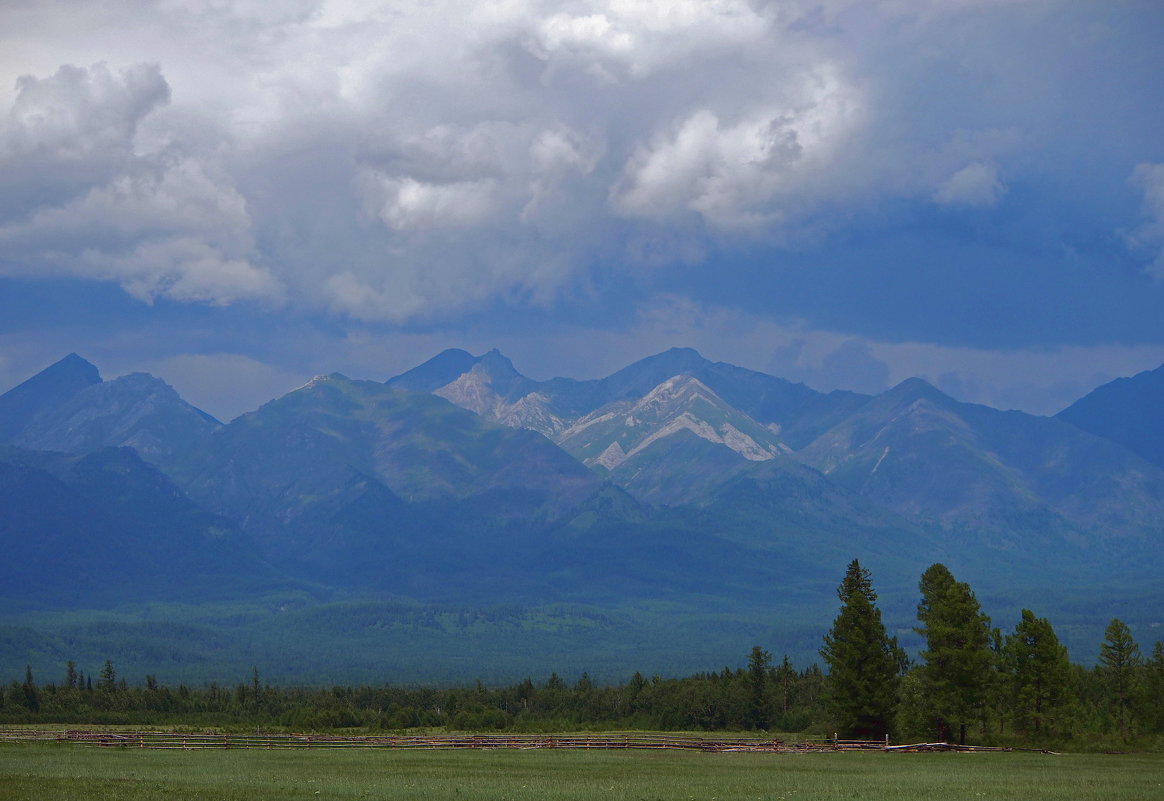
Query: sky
[(236, 195)]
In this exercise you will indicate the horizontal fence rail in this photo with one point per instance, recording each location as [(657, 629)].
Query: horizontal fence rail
[(190, 741)]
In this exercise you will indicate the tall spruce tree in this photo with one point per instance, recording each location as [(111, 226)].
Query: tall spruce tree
[(759, 665), (1119, 664), (1156, 687), (956, 675), (864, 662), (108, 680), (31, 696), (1039, 675), (785, 677)]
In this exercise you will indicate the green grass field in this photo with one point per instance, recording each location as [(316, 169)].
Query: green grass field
[(50, 772)]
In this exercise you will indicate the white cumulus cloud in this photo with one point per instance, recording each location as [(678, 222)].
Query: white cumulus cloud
[(410, 204), (629, 39), (737, 173), (85, 200), (1150, 179), (975, 184), (416, 159)]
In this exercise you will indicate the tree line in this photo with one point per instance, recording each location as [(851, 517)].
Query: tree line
[(970, 681), (971, 678), (760, 697)]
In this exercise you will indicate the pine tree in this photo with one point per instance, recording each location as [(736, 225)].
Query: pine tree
[(1156, 687), (956, 675), (759, 661), (864, 662), (31, 697), (108, 680), (1039, 675), (998, 691), (785, 680), (1119, 663), (256, 687)]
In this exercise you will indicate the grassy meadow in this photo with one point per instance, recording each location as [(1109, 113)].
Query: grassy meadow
[(52, 772)]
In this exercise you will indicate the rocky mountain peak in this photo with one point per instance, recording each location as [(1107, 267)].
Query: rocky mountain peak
[(497, 363), (473, 390), (53, 385), (617, 432), (639, 378), (483, 391), (678, 389), (446, 366), (76, 367), (1126, 411), (68, 408), (917, 388)]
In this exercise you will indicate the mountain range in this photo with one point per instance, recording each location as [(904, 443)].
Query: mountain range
[(676, 509)]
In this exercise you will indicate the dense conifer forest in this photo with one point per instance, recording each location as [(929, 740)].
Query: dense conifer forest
[(971, 682)]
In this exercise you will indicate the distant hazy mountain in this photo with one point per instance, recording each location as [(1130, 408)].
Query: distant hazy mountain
[(345, 474), (795, 412), (617, 432), (1015, 480), (433, 374), (1129, 411), (68, 408), (674, 427), (107, 527), (420, 446), (494, 390), (492, 387), (676, 487), (49, 388)]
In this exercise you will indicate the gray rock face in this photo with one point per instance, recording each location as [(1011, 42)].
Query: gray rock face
[(619, 431)]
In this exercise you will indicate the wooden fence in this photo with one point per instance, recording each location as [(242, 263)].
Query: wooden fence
[(653, 742), (190, 741)]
